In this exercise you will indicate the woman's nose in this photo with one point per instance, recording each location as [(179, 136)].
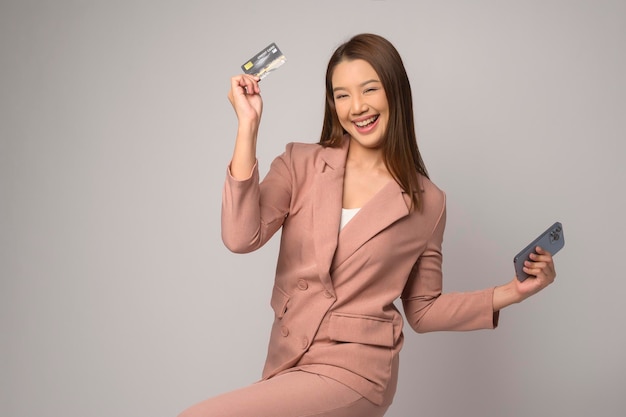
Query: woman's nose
[(358, 105)]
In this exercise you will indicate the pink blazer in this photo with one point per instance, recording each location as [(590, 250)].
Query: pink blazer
[(334, 290)]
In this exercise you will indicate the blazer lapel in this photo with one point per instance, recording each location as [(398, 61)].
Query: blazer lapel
[(328, 196), (387, 206)]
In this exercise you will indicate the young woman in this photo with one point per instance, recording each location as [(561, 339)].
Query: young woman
[(362, 225)]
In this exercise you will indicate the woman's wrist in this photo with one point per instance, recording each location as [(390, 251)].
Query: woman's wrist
[(505, 295), (244, 154)]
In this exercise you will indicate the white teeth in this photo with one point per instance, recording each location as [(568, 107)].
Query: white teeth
[(366, 122)]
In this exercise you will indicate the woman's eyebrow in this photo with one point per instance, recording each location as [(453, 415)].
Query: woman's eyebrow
[(363, 84)]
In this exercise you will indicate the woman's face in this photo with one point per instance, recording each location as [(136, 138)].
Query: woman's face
[(360, 102)]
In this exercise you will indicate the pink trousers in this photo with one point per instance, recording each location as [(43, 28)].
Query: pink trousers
[(293, 394)]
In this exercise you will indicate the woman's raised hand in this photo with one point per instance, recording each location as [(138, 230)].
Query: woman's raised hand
[(245, 97)]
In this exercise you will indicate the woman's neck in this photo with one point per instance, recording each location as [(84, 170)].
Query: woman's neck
[(365, 159)]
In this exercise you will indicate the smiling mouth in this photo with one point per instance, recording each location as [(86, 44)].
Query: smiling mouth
[(366, 122)]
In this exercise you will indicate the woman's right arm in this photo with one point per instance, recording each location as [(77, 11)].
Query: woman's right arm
[(252, 211), (245, 97)]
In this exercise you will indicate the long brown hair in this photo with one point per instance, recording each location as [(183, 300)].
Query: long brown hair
[(400, 152)]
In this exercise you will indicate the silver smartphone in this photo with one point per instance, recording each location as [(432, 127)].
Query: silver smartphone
[(551, 240)]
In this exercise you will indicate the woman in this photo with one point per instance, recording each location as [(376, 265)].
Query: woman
[(362, 225)]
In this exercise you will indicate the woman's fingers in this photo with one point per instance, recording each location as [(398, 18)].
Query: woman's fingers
[(245, 84), (542, 273), (245, 97), (541, 265)]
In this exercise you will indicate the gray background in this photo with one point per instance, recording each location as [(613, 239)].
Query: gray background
[(117, 297)]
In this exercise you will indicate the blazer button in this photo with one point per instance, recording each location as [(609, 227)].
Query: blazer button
[(302, 284), (328, 294), (284, 331), (305, 343)]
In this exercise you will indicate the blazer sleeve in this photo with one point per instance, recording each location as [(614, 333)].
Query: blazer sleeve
[(427, 309), (253, 211)]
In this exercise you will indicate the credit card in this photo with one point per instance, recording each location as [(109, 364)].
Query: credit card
[(266, 61)]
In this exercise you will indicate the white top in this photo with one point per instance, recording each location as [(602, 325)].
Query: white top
[(347, 215)]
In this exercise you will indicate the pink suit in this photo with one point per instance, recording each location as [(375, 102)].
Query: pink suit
[(334, 290), (336, 336)]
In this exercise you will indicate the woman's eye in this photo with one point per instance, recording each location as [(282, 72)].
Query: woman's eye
[(369, 90), (340, 96)]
